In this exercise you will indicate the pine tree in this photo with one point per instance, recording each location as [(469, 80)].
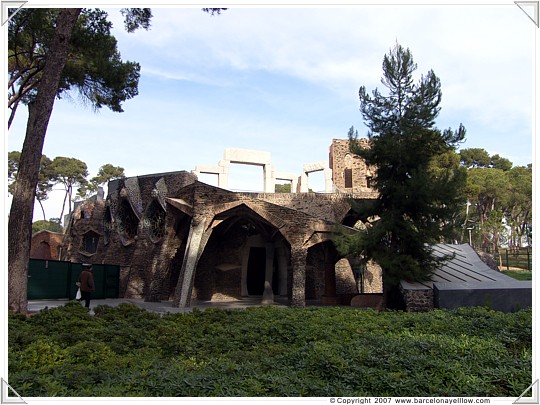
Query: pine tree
[(418, 190)]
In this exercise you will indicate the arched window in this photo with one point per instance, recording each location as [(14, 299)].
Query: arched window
[(127, 221), (348, 178), (154, 221), (90, 242)]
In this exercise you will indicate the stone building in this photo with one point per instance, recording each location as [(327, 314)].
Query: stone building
[(46, 245), (178, 239), (350, 173)]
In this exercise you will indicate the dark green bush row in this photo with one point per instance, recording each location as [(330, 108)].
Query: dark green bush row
[(270, 351)]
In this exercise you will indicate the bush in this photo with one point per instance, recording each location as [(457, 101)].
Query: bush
[(270, 351)]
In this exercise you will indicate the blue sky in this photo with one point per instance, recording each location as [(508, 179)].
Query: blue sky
[(286, 80)]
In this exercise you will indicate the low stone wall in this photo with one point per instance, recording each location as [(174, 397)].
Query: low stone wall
[(375, 301), (418, 297)]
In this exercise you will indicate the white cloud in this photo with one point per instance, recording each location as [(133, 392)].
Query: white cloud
[(286, 81)]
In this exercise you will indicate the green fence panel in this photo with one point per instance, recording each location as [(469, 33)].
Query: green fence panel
[(49, 279), (112, 281), (100, 281)]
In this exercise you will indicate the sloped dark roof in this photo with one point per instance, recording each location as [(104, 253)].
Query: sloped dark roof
[(465, 267), (465, 280)]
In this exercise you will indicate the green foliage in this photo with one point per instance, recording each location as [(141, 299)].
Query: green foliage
[(135, 18), (70, 172), (478, 157), (474, 157), (45, 175), (106, 173), (486, 189), (269, 351), (496, 190), (519, 275), (417, 178), (94, 67), (13, 167), (52, 226), (283, 188)]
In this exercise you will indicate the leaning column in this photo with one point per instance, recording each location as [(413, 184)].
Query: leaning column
[(191, 258)]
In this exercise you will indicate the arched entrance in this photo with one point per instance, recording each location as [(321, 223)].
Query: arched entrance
[(243, 252)]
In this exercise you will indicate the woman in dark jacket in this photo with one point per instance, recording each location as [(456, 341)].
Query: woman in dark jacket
[(86, 280)]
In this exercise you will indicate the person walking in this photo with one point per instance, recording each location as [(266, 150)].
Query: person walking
[(86, 280)]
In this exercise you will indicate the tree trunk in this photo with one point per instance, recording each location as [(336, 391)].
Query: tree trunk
[(42, 210), (22, 206), (63, 207)]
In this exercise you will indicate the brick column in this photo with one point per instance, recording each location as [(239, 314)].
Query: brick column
[(298, 261)]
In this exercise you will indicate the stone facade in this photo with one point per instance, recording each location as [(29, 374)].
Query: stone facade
[(350, 174), (178, 239)]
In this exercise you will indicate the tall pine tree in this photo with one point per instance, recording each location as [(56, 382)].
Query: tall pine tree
[(418, 191)]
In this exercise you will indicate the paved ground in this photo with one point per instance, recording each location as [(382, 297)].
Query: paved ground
[(160, 307)]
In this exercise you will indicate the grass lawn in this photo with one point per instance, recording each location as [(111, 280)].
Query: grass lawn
[(269, 351), (519, 275)]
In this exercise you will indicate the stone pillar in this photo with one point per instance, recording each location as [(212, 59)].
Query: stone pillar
[(304, 187), (328, 184), (223, 176), (294, 185), (269, 267), (269, 180), (194, 249), (282, 270), (268, 294), (298, 262)]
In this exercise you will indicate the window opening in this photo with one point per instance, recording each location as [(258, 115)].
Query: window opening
[(90, 242), (127, 220), (154, 221), (348, 178)]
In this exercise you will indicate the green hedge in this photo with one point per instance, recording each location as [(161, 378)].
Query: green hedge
[(269, 351)]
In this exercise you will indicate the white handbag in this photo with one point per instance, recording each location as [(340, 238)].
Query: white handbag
[(78, 295)]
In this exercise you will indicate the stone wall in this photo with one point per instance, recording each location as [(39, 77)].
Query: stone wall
[(46, 245), (418, 297), (330, 207), (350, 173)]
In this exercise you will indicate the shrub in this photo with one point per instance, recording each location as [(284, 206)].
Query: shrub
[(270, 351)]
